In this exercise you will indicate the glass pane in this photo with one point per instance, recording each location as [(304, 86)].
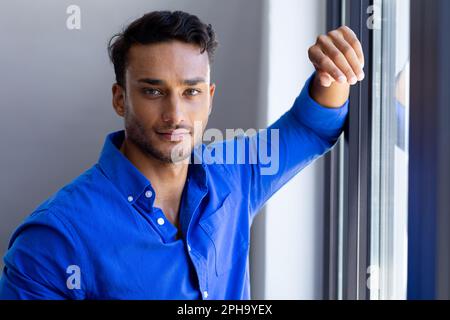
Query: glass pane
[(388, 271)]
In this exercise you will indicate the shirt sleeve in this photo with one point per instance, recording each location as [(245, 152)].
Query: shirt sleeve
[(42, 262), (300, 136)]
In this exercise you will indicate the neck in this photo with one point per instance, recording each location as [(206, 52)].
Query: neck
[(161, 174)]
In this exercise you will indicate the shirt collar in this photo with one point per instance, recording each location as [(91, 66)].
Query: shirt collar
[(129, 180), (122, 173), (197, 168)]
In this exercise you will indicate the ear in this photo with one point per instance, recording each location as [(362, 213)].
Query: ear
[(118, 99), (212, 90)]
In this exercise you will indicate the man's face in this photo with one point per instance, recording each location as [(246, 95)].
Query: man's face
[(167, 92)]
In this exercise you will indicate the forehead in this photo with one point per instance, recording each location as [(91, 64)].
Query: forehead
[(168, 61)]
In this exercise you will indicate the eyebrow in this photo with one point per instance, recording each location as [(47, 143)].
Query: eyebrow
[(159, 82)]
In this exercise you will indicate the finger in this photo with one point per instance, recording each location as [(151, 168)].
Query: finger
[(350, 36), (337, 57), (325, 79), (349, 53), (324, 64)]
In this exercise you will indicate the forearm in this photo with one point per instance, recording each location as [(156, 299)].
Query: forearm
[(333, 96), (303, 134)]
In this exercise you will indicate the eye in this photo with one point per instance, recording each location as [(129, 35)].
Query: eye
[(192, 92), (152, 92)]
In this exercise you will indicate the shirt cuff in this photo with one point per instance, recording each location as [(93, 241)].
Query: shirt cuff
[(324, 121)]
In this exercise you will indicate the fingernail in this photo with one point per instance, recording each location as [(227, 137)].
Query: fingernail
[(353, 80), (342, 79), (361, 76)]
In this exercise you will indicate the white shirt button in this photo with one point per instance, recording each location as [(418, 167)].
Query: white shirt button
[(205, 294), (160, 221), (148, 194), (130, 198)]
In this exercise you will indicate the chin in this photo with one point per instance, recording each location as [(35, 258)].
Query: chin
[(171, 155)]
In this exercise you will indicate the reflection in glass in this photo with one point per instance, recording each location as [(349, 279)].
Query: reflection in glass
[(388, 258)]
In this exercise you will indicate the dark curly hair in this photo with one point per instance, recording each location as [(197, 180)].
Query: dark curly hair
[(157, 27)]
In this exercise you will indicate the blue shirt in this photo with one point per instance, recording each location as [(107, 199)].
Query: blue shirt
[(100, 237)]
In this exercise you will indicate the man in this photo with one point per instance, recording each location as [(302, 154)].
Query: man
[(150, 221)]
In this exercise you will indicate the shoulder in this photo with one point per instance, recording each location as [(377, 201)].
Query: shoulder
[(48, 243), (78, 200), (67, 211)]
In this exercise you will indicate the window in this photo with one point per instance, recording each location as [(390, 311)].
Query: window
[(368, 171), (390, 136)]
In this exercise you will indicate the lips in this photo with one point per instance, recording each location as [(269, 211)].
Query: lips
[(174, 135)]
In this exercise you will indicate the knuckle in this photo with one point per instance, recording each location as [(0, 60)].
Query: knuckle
[(312, 52), (347, 30), (348, 51), (321, 39), (336, 73), (335, 54), (343, 28), (354, 42), (322, 61), (334, 33)]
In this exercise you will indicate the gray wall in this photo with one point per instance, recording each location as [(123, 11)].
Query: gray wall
[(55, 88)]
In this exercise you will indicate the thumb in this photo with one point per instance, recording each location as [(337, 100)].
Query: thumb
[(325, 79)]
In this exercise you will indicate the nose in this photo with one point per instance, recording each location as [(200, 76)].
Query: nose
[(173, 111)]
